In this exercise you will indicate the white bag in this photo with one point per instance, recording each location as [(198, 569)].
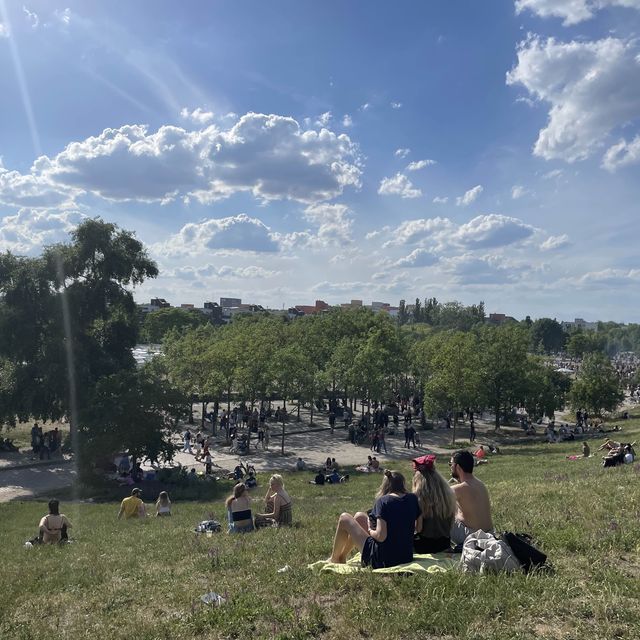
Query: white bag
[(483, 553)]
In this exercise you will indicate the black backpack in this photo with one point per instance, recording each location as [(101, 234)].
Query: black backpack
[(530, 557)]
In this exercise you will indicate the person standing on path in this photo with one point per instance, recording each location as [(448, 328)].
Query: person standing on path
[(187, 442)]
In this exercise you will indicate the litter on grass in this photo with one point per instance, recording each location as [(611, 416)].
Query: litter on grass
[(213, 598)]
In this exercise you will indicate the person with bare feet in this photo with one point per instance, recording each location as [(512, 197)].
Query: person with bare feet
[(473, 507), (385, 535)]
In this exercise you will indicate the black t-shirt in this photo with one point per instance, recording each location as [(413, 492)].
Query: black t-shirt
[(400, 514)]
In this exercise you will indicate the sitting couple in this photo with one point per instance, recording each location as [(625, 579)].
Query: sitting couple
[(277, 507), (425, 521)]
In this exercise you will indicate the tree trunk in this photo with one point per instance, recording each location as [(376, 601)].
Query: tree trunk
[(191, 413), (283, 437), (311, 418), (204, 410), (455, 424), (497, 418), (299, 405)]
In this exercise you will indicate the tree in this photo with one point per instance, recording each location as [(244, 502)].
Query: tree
[(597, 388), (545, 390), (68, 319), (134, 411), (503, 352), (581, 343), (158, 323), (549, 334), (455, 381)]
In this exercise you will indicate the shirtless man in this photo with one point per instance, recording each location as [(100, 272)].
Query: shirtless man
[(473, 508)]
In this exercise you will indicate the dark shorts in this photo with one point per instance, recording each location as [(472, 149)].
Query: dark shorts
[(371, 554), (431, 545)]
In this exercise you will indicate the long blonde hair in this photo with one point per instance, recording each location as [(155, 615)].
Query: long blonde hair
[(277, 479), (435, 496), (163, 499), (238, 492), (392, 482)]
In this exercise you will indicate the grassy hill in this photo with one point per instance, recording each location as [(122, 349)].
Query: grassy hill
[(143, 580)]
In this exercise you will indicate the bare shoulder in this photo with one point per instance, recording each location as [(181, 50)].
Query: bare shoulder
[(460, 488)]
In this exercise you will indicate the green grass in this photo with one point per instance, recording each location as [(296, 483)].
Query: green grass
[(143, 580)]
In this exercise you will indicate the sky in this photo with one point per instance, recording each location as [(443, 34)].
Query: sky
[(289, 151)]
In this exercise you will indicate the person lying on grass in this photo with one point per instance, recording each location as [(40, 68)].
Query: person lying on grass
[(385, 537), (277, 504), (437, 504)]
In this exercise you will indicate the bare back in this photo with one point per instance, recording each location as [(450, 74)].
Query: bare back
[(473, 506)]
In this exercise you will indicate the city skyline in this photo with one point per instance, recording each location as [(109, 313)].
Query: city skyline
[(301, 151)]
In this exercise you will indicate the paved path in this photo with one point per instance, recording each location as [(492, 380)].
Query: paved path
[(24, 483)]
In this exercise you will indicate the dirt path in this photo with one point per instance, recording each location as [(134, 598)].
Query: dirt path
[(24, 483)]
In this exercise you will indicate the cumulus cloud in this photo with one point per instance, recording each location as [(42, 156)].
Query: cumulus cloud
[(482, 232), (571, 11), (347, 120), (32, 17), (610, 278), (622, 154), (250, 272), (324, 119), (468, 269), (26, 232), (517, 191), (441, 200), (398, 185), (403, 152), (420, 164), (469, 197), (239, 232), (31, 190), (592, 88), (334, 223), (553, 243), (418, 258), (199, 116), (269, 156)]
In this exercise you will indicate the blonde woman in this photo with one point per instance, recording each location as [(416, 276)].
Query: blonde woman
[(385, 535), (277, 504), (163, 505), (437, 504), (239, 510)]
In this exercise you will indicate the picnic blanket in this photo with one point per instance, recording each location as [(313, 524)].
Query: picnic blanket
[(422, 563)]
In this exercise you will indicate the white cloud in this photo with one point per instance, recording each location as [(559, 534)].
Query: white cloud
[(469, 196), (198, 116), (622, 154), (324, 119), (593, 88), (269, 156), (32, 17), (207, 271), (610, 278), (468, 269), (396, 105), (334, 223), (420, 164), (418, 258), (517, 191), (338, 287), (482, 232), (63, 16), (4, 30), (239, 232), (552, 243), (26, 232), (556, 173), (572, 11), (440, 200), (402, 152), (30, 190), (347, 120), (365, 107), (398, 185)]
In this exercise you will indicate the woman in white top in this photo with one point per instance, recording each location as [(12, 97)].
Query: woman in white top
[(53, 526), (163, 505)]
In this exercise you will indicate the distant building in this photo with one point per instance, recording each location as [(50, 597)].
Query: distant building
[(579, 323), (499, 318), (187, 306), (309, 310), (154, 305), (230, 302)]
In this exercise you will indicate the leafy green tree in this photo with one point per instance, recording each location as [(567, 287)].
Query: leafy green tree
[(456, 377), (545, 390), (158, 323), (549, 334), (597, 387), (134, 411), (503, 351), (581, 343)]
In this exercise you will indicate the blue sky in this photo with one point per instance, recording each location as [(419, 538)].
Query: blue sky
[(289, 151)]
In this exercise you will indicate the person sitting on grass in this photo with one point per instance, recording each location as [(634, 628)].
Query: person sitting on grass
[(385, 538), (163, 505), (473, 507), (239, 510), (132, 507), (53, 527), (437, 504), (277, 505), (586, 451), (319, 479)]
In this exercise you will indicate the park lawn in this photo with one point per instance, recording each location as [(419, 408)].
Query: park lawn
[(144, 579)]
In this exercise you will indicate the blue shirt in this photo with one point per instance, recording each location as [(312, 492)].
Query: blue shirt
[(400, 514)]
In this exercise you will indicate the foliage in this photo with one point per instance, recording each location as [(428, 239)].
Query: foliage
[(158, 323), (597, 388), (547, 336), (581, 343), (545, 389)]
